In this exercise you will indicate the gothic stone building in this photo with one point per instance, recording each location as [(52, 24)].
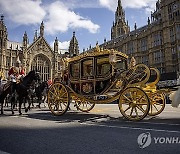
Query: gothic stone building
[(35, 56), (156, 44)]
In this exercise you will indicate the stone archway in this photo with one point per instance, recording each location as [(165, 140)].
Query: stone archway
[(42, 64)]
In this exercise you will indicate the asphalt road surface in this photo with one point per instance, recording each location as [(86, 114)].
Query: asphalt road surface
[(103, 130)]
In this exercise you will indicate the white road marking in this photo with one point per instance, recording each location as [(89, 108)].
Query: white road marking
[(171, 111), (134, 128), (141, 122)]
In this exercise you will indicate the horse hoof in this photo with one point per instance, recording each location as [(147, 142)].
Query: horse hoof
[(26, 110), (20, 113), (38, 106), (12, 113)]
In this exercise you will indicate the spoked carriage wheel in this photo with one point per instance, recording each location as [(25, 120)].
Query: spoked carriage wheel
[(58, 99), (84, 105), (134, 104), (157, 103)]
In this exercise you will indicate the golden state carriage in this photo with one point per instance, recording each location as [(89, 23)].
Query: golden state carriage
[(104, 76)]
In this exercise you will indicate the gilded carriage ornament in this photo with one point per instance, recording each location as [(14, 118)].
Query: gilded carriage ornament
[(97, 49), (132, 62), (1, 74), (87, 88), (119, 84)]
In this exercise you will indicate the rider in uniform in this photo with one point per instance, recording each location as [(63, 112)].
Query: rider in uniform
[(15, 74)]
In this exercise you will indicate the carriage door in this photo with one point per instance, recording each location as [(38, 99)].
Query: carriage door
[(103, 73), (87, 76), (41, 64)]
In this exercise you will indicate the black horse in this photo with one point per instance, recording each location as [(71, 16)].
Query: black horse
[(40, 92), (21, 90)]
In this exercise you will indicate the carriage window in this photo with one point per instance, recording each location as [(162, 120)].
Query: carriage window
[(74, 70), (87, 68), (103, 66), (121, 65)]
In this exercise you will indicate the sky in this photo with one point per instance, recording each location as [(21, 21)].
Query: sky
[(90, 19)]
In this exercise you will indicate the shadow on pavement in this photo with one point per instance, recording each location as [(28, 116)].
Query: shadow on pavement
[(72, 117)]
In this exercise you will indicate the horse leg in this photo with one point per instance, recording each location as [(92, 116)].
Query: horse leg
[(16, 103), (40, 99), (13, 103), (20, 103), (32, 101), (8, 103), (44, 101), (12, 107), (2, 99), (2, 102), (8, 100), (5, 103), (39, 102), (25, 100), (29, 104)]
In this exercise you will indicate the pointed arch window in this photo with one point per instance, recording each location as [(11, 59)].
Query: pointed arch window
[(41, 64)]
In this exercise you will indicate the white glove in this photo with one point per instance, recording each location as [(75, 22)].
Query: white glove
[(12, 78)]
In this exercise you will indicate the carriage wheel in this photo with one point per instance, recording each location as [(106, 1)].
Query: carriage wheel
[(58, 99), (84, 105), (157, 103), (134, 104)]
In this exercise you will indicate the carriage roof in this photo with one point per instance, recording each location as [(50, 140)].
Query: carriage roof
[(97, 52)]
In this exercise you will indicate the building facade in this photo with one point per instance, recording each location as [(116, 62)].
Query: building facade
[(156, 44), (35, 56)]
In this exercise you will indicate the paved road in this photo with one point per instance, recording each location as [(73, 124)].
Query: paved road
[(103, 130)]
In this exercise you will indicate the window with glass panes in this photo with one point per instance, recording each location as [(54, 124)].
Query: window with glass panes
[(130, 47), (144, 44), (41, 64), (158, 56), (8, 59), (145, 59), (173, 51), (157, 39), (173, 12), (178, 31), (172, 35)]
